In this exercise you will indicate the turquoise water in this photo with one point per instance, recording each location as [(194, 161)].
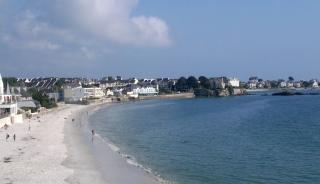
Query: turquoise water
[(251, 139)]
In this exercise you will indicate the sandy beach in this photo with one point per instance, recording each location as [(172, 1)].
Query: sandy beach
[(59, 149)]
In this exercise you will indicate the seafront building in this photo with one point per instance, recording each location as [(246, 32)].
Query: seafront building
[(8, 106), (145, 91), (234, 82), (93, 93), (73, 94)]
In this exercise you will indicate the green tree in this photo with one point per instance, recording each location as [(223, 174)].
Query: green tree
[(291, 79), (58, 85), (11, 80), (306, 84), (181, 84), (204, 82), (192, 82), (42, 98), (274, 84)]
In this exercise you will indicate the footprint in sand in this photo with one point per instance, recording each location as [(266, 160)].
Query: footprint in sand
[(8, 181), (7, 159)]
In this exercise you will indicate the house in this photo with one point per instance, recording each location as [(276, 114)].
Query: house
[(93, 93), (145, 91), (282, 84), (109, 92), (252, 85), (315, 84), (234, 82), (218, 82), (73, 94), (297, 84), (290, 84), (8, 106)]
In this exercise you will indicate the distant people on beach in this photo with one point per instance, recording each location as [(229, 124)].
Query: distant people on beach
[(92, 133), (14, 137), (7, 137)]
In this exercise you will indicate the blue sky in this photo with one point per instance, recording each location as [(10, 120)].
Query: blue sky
[(94, 38)]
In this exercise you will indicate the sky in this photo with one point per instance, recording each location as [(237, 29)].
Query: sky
[(147, 38)]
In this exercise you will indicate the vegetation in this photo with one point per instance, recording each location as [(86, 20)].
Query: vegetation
[(204, 82), (42, 98), (182, 84), (192, 82), (11, 80), (59, 85)]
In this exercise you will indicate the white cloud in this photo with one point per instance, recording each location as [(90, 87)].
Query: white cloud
[(77, 29), (113, 20)]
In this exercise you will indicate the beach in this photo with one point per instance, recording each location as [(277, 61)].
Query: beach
[(59, 149)]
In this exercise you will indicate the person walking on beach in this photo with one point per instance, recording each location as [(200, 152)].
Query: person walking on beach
[(92, 133), (7, 137), (14, 137)]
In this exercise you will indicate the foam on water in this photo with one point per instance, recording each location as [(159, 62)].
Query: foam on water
[(131, 160)]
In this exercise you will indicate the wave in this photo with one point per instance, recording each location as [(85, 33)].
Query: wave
[(132, 161)]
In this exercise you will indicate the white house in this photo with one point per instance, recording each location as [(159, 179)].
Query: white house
[(8, 106), (145, 91), (234, 82), (93, 93), (74, 94), (315, 84), (252, 85), (290, 84), (283, 84), (109, 93)]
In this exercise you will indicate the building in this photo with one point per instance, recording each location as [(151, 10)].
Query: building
[(252, 85), (290, 84), (234, 82), (218, 82), (282, 84), (315, 84), (8, 106), (73, 94), (145, 91), (297, 85), (93, 93)]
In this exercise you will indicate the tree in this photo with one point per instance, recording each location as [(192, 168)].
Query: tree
[(110, 79), (42, 98), (306, 84), (181, 84), (59, 84), (154, 82), (291, 79), (204, 82), (11, 80), (274, 84), (192, 82)]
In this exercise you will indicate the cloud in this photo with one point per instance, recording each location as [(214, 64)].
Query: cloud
[(112, 20), (58, 23)]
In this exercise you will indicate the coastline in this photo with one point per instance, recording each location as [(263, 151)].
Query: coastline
[(97, 160), (36, 155), (58, 149)]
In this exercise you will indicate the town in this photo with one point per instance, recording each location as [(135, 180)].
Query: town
[(29, 95)]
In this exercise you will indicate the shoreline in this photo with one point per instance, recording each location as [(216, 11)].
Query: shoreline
[(91, 160), (58, 149), (36, 154)]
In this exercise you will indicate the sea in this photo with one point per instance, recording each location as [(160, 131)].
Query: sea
[(258, 139)]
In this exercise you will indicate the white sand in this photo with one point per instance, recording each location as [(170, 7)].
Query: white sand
[(59, 150), (35, 156)]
